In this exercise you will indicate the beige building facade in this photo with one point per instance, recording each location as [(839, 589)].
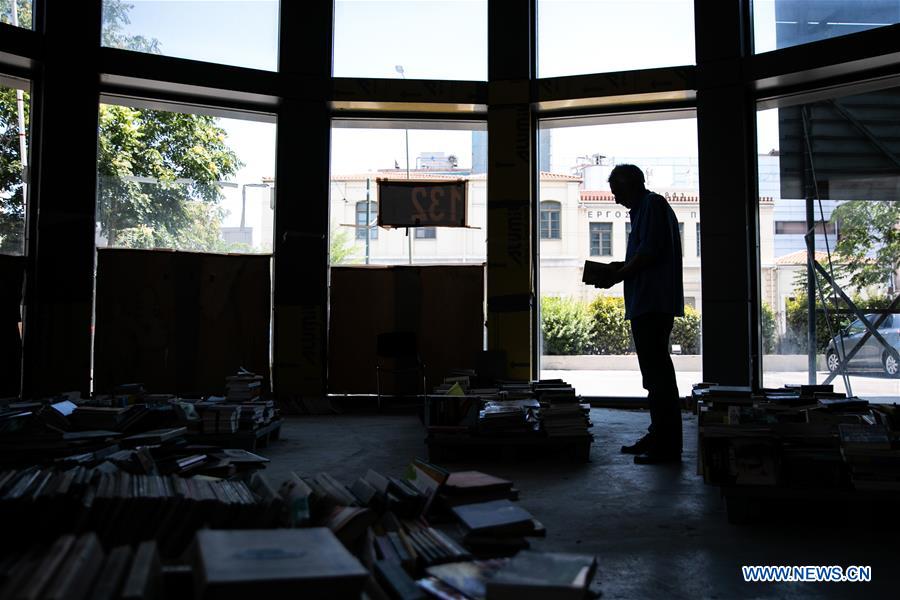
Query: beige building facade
[(589, 226)]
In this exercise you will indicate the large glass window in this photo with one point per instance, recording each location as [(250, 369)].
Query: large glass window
[(415, 39), (362, 154), (184, 181), (550, 217), (242, 33), (834, 160), (15, 117), (579, 320), (784, 23), (17, 13), (598, 36)]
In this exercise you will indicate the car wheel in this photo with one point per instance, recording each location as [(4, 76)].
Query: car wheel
[(891, 366), (832, 361)]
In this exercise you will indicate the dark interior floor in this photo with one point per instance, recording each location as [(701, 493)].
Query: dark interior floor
[(657, 531)]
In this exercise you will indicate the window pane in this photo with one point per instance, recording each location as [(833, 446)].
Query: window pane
[(575, 172), (184, 181), (15, 116), (17, 12), (784, 23), (413, 39), (850, 142), (243, 33), (366, 220), (550, 216), (359, 157), (598, 36)]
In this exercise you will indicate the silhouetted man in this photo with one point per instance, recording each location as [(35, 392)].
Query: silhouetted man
[(654, 296)]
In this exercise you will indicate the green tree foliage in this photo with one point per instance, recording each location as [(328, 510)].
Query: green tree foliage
[(115, 18), (341, 249), (185, 154), (767, 324), (566, 325), (12, 203), (24, 14), (868, 249), (612, 333)]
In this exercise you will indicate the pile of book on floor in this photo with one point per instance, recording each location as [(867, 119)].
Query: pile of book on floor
[(440, 533), (123, 508), (548, 406), (242, 408), (798, 436), (561, 413)]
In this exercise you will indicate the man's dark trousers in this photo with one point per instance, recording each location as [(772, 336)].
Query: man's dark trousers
[(651, 333)]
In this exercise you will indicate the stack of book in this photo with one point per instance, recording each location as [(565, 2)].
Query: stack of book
[(123, 508), (243, 387), (868, 450), (796, 436), (509, 416), (216, 417), (78, 567)]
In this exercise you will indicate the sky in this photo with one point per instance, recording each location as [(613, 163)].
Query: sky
[(444, 39)]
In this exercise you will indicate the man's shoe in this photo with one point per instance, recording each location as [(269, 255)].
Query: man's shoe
[(657, 458), (639, 447)]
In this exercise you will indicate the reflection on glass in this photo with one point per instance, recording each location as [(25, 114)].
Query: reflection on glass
[(17, 13), (599, 36), (836, 160), (184, 181), (243, 33), (444, 39), (784, 23), (578, 319), (15, 115), (360, 157)]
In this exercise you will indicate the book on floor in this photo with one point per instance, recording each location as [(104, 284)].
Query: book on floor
[(543, 575), (275, 564)]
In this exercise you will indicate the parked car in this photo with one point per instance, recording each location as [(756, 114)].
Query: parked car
[(872, 354)]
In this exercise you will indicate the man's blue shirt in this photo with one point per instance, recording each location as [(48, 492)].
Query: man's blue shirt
[(654, 232)]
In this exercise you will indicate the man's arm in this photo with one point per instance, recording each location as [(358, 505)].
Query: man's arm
[(638, 262)]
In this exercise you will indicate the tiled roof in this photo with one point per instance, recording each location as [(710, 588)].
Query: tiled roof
[(431, 175), (673, 197), (799, 258)]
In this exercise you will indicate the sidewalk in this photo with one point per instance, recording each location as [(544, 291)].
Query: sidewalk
[(873, 387)]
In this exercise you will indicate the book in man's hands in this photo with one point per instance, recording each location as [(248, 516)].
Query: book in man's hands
[(600, 274)]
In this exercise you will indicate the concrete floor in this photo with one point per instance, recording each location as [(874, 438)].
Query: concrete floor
[(658, 532)]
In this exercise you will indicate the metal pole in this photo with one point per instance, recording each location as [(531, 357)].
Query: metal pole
[(368, 219), (243, 206), (409, 238), (812, 351)]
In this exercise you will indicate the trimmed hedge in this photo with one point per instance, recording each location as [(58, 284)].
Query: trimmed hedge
[(612, 333), (573, 327), (566, 325), (686, 331)]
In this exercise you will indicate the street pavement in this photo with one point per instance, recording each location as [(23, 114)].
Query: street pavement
[(871, 386)]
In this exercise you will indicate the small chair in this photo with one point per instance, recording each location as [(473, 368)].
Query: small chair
[(401, 348)]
